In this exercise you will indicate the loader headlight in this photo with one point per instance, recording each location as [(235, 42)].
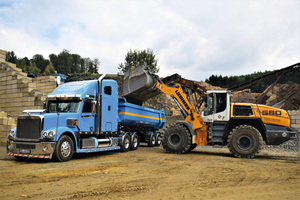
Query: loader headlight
[(284, 134)]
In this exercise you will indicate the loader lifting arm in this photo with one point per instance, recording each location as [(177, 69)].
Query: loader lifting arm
[(139, 85)]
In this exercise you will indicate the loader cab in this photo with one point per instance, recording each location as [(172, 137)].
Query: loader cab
[(217, 106)]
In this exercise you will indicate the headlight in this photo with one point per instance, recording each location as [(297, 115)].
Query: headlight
[(45, 134), (51, 134), (11, 134), (48, 134)]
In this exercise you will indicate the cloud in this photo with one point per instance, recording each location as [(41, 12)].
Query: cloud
[(193, 38)]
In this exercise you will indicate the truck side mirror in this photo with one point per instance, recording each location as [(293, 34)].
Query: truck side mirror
[(94, 105), (44, 105)]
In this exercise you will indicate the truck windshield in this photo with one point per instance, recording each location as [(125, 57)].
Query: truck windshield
[(63, 106)]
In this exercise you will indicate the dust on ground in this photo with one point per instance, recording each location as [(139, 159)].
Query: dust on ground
[(150, 173)]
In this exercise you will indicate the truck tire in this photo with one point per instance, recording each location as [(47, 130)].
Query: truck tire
[(152, 140), (64, 149), (157, 139), (176, 139), (245, 141), (134, 142), (125, 143)]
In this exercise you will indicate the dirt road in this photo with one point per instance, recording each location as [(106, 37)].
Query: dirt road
[(150, 173)]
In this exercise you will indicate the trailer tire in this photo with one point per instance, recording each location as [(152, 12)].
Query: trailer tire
[(157, 139), (176, 139), (245, 141), (64, 149), (125, 143), (134, 142), (152, 140)]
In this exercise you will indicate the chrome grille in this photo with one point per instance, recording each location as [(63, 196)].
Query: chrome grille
[(29, 127)]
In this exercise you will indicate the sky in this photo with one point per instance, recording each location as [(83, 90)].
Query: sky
[(194, 38)]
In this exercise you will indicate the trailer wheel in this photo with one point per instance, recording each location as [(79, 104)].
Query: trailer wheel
[(64, 149), (152, 140), (176, 139), (135, 141), (245, 141), (157, 139), (125, 143)]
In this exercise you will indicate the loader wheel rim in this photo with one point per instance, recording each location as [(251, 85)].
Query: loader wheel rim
[(175, 139), (244, 142)]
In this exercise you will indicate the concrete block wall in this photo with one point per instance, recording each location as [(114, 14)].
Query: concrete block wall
[(45, 84), (6, 123), (295, 119), (19, 92)]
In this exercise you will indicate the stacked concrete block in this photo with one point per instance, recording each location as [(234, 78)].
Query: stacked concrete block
[(45, 84), (295, 119), (2, 55), (6, 123), (19, 92)]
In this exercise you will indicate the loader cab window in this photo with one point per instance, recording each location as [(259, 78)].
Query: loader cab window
[(208, 109), (220, 102), (215, 103)]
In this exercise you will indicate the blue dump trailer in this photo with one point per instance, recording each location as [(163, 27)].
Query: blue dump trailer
[(84, 117)]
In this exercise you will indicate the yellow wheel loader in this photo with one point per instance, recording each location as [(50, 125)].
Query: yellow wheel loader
[(243, 127)]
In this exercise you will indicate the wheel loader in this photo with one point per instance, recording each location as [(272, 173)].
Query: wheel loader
[(243, 127)]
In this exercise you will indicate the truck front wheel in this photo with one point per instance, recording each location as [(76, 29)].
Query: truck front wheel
[(64, 149), (176, 139), (245, 141)]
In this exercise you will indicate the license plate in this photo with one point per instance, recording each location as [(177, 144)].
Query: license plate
[(24, 150)]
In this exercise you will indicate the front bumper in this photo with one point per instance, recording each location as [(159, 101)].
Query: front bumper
[(30, 149), (276, 135)]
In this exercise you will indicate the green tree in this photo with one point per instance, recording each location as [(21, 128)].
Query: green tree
[(145, 59), (32, 68), (11, 57), (49, 69), (40, 62)]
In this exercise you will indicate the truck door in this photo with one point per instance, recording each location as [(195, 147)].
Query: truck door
[(109, 106), (87, 120)]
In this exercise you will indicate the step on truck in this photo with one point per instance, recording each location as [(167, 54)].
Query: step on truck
[(243, 127), (84, 117)]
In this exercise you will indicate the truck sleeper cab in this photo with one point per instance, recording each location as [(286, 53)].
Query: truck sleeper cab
[(81, 118)]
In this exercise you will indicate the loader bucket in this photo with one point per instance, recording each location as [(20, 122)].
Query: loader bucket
[(139, 85)]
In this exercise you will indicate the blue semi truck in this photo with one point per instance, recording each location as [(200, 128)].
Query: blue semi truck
[(84, 117)]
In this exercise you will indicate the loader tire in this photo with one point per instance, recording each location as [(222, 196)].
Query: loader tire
[(245, 141), (176, 139)]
